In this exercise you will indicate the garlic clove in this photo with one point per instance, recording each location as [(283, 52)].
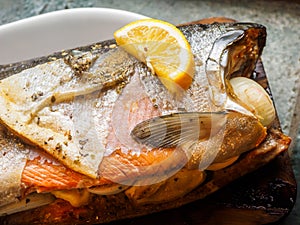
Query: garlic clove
[(31, 201), (254, 96)]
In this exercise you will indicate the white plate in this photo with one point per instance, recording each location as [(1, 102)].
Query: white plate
[(55, 31)]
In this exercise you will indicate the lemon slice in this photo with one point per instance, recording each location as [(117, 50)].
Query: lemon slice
[(163, 48)]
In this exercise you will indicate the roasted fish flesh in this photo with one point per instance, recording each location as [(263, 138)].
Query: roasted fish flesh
[(95, 127)]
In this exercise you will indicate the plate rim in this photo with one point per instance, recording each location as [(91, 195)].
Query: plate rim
[(38, 46), (67, 11)]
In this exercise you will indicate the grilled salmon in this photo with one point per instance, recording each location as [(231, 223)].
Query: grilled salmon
[(72, 123)]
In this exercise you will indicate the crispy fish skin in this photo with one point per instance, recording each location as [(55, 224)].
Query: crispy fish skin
[(118, 207)]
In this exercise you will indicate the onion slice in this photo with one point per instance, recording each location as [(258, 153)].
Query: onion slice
[(32, 201), (254, 96)]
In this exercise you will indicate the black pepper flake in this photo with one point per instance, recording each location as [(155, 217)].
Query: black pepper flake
[(77, 161), (27, 200), (83, 142), (38, 121), (50, 138), (82, 154), (58, 147), (53, 99), (34, 97), (39, 93)]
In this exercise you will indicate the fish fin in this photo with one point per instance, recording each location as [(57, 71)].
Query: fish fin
[(177, 128)]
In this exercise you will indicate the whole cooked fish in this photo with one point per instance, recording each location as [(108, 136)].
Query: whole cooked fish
[(83, 118)]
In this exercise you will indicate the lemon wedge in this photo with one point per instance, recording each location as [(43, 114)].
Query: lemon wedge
[(163, 48)]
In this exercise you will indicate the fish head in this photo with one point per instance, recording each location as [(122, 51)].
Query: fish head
[(209, 113)]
